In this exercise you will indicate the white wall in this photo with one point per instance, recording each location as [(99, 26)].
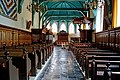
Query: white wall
[(36, 20), (21, 18)]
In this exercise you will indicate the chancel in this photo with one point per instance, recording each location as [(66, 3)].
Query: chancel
[(59, 40)]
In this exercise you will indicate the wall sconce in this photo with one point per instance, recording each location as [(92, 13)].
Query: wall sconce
[(101, 3), (94, 4), (29, 7), (91, 5)]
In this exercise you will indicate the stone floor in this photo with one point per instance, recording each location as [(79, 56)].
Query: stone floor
[(61, 66)]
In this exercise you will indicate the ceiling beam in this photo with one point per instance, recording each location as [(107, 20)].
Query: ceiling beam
[(64, 15), (57, 18), (67, 9), (64, 0), (61, 18)]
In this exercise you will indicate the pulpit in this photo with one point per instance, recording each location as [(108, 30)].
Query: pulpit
[(38, 35), (86, 36)]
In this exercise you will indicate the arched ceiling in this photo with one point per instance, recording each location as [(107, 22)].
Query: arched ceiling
[(63, 9)]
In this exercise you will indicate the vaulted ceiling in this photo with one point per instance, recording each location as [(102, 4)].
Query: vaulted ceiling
[(62, 9)]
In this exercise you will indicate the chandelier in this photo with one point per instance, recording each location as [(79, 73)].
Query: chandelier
[(36, 7), (94, 4), (90, 5)]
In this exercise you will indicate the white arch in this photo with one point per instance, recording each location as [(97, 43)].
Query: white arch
[(48, 26), (63, 27), (71, 28), (54, 27), (77, 28)]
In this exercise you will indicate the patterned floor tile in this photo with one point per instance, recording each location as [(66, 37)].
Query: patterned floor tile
[(62, 67)]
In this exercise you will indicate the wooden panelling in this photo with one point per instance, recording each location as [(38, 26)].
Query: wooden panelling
[(0, 38), (86, 36), (8, 37), (109, 39), (24, 38), (117, 44), (112, 39), (13, 37), (21, 37)]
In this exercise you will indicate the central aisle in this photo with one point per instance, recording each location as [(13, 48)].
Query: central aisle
[(62, 66)]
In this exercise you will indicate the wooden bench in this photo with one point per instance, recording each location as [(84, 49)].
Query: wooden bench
[(88, 60), (81, 51), (18, 58), (20, 55), (84, 53), (4, 70), (21, 52), (100, 72)]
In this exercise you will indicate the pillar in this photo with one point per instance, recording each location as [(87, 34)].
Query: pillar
[(58, 26), (114, 11), (99, 17), (75, 28), (67, 26)]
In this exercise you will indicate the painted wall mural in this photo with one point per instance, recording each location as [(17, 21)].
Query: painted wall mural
[(8, 8)]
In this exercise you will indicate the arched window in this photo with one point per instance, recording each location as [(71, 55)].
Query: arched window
[(71, 29), (63, 27), (48, 26), (77, 28), (81, 26), (54, 28)]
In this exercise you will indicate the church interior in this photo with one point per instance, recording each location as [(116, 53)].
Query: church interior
[(59, 40)]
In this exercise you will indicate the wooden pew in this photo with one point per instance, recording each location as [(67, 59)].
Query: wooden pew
[(92, 51), (20, 54), (31, 52), (88, 59), (115, 67), (110, 74), (80, 51), (28, 53), (18, 57), (41, 56), (4, 69), (84, 55)]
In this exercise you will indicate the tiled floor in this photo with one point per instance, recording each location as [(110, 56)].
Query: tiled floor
[(61, 67)]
